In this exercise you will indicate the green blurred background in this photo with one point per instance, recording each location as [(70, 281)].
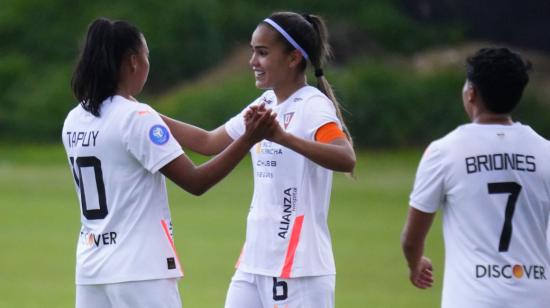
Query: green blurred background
[(398, 66), (398, 69)]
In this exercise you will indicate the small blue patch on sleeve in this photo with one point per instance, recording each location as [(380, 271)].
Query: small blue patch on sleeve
[(159, 134)]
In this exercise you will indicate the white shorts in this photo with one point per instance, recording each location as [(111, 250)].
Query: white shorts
[(257, 291), (162, 293)]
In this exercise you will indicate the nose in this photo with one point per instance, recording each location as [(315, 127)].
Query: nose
[(253, 61)]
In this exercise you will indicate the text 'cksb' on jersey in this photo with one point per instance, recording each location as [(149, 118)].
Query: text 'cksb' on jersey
[(492, 183), (126, 232), (287, 233)]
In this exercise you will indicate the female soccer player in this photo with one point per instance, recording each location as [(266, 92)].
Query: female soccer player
[(119, 150), (491, 179), (287, 258)]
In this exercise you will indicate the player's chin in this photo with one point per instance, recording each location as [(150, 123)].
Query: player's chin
[(262, 85)]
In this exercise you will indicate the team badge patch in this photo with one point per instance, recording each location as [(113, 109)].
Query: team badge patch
[(288, 118), (159, 134)]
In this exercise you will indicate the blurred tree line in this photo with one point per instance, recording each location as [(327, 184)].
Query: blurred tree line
[(520, 23), (388, 104)]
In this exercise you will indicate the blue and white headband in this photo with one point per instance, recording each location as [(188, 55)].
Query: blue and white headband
[(287, 37)]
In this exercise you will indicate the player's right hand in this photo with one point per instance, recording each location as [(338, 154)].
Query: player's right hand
[(259, 123)]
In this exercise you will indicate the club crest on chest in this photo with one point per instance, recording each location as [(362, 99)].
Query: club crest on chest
[(287, 117)]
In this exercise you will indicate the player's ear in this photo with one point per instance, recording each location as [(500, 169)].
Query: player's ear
[(129, 64), (471, 93), (133, 61), (294, 58)]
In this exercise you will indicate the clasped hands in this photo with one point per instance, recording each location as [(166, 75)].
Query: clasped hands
[(261, 123)]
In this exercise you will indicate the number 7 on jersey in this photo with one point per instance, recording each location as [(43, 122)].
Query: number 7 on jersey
[(513, 189)]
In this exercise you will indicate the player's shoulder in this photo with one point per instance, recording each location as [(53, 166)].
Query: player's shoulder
[(536, 140), (123, 104), (127, 111), (77, 115), (311, 93), (443, 148), (267, 98), (450, 138), (528, 131), (313, 99), (76, 110)]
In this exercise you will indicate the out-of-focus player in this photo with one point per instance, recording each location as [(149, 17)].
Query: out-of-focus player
[(491, 180)]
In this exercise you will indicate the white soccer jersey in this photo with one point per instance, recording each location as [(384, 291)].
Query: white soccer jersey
[(126, 232), (287, 233), (492, 183)]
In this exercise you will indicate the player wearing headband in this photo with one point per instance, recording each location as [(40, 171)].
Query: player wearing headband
[(287, 259), (119, 151), (491, 180)]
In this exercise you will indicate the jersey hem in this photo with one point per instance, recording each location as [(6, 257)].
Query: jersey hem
[(165, 160), (231, 133), (120, 280), (269, 273), (421, 208)]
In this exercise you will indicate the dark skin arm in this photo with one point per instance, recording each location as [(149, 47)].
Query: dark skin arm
[(197, 139), (337, 155), (198, 179), (412, 242)]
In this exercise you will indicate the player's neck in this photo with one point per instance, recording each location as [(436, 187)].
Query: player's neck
[(285, 91), (122, 91), (491, 118)]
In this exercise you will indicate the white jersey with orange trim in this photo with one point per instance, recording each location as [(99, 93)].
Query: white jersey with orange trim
[(126, 232), (287, 233), (492, 183)]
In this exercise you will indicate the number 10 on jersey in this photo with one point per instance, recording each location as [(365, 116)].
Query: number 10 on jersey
[(87, 170)]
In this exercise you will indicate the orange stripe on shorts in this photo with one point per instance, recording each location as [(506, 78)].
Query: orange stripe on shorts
[(328, 133)]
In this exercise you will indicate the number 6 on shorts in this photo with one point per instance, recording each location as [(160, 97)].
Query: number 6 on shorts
[(278, 285)]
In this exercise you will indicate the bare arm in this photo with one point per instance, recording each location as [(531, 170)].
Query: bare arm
[(337, 155), (197, 139), (198, 180), (412, 242)]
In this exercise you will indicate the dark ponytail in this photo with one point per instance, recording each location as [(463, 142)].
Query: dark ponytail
[(96, 75), (311, 33)]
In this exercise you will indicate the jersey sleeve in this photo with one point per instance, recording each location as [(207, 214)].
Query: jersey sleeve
[(149, 140), (235, 126), (428, 192), (328, 133), (323, 112)]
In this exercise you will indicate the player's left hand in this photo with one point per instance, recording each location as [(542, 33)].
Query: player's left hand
[(259, 122), (422, 276), (276, 132)]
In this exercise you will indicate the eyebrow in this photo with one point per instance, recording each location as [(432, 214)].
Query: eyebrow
[(259, 47)]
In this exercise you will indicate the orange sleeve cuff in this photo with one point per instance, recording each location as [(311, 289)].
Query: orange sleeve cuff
[(328, 133)]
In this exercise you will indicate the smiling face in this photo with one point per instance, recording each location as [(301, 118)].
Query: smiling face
[(270, 61)]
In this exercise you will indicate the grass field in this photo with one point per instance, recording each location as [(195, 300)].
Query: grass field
[(39, 222)]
